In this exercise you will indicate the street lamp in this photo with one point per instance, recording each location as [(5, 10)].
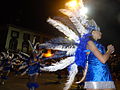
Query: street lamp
[(73, 4), (76, 5)]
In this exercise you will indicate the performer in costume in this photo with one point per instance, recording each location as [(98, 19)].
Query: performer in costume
[(33, 71), (81, 50), (33, 66), (6, 66), (98, 75)]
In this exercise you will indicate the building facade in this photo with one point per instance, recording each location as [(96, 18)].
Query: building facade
[(17, 38)]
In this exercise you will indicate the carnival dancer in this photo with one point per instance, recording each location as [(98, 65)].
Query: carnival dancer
[(33, 71), (6, 66), (98, 75), (81, 51), (33, 67), (17, 62)]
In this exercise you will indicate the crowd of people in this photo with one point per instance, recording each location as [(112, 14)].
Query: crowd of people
[(20, 64)]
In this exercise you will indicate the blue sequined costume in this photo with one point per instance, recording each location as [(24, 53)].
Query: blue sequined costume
[(98, 75), (33, 69)]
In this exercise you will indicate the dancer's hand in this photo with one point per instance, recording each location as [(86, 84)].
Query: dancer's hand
[(111, 48)]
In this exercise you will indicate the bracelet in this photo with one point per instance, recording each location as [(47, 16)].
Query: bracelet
[(108, 51)]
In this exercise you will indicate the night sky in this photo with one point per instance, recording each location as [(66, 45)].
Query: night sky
[(32, 14)]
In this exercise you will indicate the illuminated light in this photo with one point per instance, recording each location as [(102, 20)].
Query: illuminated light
[(75, 5), (83, 10), (80, 3), (72, 4), (48, 54)]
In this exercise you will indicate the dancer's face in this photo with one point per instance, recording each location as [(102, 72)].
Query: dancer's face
[(96, 35)]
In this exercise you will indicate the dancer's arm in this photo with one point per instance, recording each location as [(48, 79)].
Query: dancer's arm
[(102, 57)]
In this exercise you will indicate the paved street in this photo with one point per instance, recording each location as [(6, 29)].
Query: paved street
[(47, 81)]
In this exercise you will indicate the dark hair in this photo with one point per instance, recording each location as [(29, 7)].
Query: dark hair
[(91, 37)]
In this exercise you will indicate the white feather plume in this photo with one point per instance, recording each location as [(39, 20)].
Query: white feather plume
[(70, 51), (31, 45), (58, 47), (64, 29), (72, 73), (4, 54), (33, 42), (25, 54), (59, 65), (75, 20)]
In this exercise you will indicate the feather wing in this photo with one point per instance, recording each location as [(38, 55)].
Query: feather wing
[(72, 73), (59, 65), (76, 21), (64, 29)]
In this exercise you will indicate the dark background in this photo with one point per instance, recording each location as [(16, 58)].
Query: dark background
[(32, 14)]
